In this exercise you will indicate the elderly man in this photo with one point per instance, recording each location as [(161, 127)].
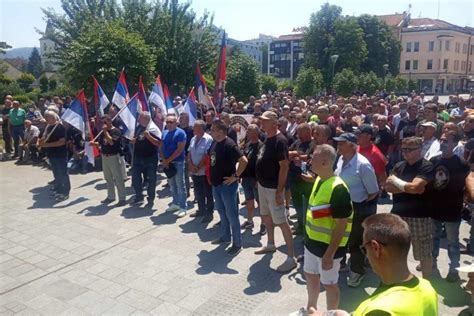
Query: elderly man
[(359, 176), (54, 142), (16, 119), (173, 154), (430, 146), (197, 151), (145, 159), (28, 149)]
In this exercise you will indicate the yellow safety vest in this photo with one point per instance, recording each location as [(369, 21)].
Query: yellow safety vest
[(420, 300), (319, 220)]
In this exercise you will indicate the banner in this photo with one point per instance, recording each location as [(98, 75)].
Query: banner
[(240, 123)]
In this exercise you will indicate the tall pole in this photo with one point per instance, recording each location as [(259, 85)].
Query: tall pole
[(333, 60)]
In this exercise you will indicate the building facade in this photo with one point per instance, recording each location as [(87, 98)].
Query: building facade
[(286, 56), (47, 47)]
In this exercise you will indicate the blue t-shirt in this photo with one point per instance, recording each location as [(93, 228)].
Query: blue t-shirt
[(170, 143)]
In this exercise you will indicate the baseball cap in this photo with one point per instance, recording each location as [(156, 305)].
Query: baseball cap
[(269, 115), (429, 124), (263, 97), (365, 129), (346, 137)]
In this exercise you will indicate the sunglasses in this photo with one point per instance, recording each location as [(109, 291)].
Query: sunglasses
[(408, 150)]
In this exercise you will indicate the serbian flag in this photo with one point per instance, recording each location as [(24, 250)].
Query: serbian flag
[(76, 113), (219, 87), (321, 211), (157, 96), (168, 101), (100, 99), (191, 108), (90, 151), (121, 96), (129, 117), (201, 90), (142, 96)]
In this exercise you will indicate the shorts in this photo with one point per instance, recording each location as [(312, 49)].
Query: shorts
[(249, 185), (313, 265), (268, 206), (421, 237)]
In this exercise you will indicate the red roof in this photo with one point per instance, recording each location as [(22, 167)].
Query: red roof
[(392, 19)]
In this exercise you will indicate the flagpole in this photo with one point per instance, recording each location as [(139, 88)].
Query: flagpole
[(113, 119)]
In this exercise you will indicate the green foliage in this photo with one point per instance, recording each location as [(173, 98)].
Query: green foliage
[(401, 84), (22, 98), (369, 83), (268, 83), (25, 80), (286, 85), (34, 65), (345, 82), (412, 85), (34, 95), (5, 79), (3, 68), (44, 82), (348, 44), (242, 76), (308, 82), (52, 84), (62, 90), (12, 88), (390, 83)]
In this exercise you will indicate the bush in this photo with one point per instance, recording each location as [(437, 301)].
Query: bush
[(22, 98), (43, 81), (369, 83), (12, 89), (63, 90), (309, 82), (25, 81), (269, 83), (288, 85), (34, 95), (345, 82)]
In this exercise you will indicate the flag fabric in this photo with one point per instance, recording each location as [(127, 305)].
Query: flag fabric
[(142, 96), (219, 87), (75, 115), (191, 108), (129, 117), (153, 129), (121, 96), (157, 96), (90, 151), (100, 99), (201, 89), (168, 101)]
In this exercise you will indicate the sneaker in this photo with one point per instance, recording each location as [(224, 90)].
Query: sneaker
[(61, 197), (172, 208), (233, 251), (294, 216), (453, 277), (287, 266), (107, 201), (265, 249), (355, 279), (263, 230), (207, 219), (219, 241), (246, 225), (181, 213)]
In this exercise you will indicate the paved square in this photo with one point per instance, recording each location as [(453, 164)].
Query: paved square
[(79, 257)]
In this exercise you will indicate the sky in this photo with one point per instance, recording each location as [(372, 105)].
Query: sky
[(242, 19)]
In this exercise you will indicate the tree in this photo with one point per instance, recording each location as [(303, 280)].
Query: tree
[(369, 83), (412, 85), (242, 76), (52, 84), (44, 83), (286, 85), (268, 83), (34, 65), (345, 82), (308, 82), (348, 44), (401, 84), (25, 80)]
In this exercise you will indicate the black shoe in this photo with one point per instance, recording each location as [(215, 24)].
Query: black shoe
[(137, 200), (263, 230), (51, 182), (467, 250), (207, 219), (149, 204), (196, 214), (219, 241), (217, 224), (453, 277), (233, 251), (121, 203), (107, 201)]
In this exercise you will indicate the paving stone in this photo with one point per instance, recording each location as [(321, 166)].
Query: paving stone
[(139, 300), (64, 290)]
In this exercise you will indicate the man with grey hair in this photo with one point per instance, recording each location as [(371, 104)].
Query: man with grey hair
[(27, 150), (198, 148)]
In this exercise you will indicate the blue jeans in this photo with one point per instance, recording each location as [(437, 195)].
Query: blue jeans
[(452, 235), (62, 185), (224, 201), (18, 133), (178, 185), (148, 167)]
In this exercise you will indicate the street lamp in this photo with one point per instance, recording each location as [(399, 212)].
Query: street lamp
[(385, 71), (333, 60)]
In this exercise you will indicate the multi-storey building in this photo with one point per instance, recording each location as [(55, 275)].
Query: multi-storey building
[(286, 56)]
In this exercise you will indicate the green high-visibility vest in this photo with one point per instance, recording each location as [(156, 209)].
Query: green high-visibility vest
[(319, 221), (420, 300)]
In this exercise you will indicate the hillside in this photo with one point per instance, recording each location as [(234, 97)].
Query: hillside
[(20, 52)]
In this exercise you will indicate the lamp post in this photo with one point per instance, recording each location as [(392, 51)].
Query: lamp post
[(333, 60), (385, 71)]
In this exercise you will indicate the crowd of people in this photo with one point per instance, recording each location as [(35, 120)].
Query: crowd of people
[(329, 158)]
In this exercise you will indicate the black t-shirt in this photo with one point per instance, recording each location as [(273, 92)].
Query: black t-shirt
[(408, 127), (447, 189), (189, 134), (55, 135), (383, 139), (274, 150), (341, 207), (143, 147), (251, 152), (224, 155), (114, 148), (413, 205)]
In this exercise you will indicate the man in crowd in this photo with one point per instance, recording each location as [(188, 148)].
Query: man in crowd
[(28, 149), (110, 147), (145, 159), (272, 171), (197, 153), (408, 183), (225, 117), (184, 125), (327, 228), (16, 119), (173, 155), (7, 137), (430, 114), (224, 155), (447, 200), (54, 142), (358, 174), (430, 146)]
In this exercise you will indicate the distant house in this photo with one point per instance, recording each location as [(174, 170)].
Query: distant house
[(47, 47), (11, 72)]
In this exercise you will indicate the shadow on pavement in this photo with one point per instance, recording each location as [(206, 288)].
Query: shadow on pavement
[(215, 261), (89, 183), (262, 278), (137, 212), (452, 293), (195, 226), (42, 198), (166, 218), (98, 210), (100, 186)]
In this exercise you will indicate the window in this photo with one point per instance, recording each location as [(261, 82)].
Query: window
[(447, 45), (409, 47), (456, 65), (463, 65), (457, 47), (407, 65), (416, 47), (430, 46), (429, 65), (464, 48), (439, 64), (415, 65), (445, 64)]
